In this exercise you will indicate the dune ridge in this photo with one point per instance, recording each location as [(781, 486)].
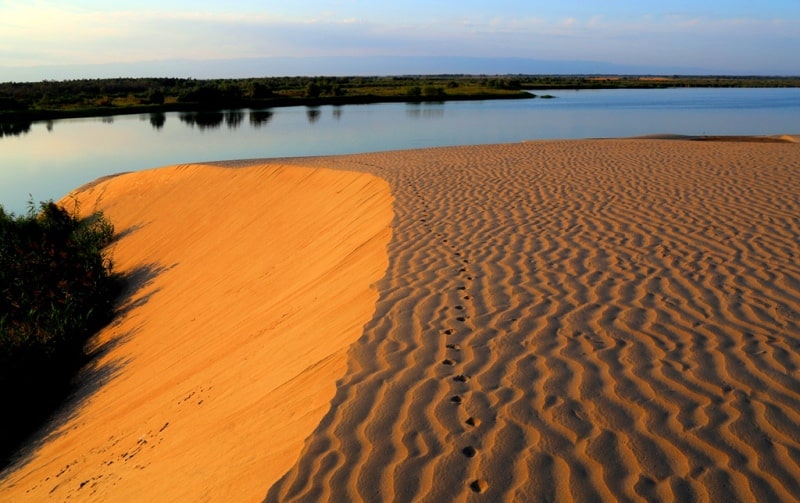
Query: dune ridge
[(612, 320), (247, 288)]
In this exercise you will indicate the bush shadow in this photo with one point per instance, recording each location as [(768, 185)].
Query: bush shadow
[(89, 378)]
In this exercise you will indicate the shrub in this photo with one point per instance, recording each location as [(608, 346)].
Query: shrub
[(155, 96), (313, 90), (56, 289), (433, 92)]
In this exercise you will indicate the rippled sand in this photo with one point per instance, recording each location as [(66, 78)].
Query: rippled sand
[(575, 320)]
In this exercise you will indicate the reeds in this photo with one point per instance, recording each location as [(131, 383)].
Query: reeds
[(57, 288)]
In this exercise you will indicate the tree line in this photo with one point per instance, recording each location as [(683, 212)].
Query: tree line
[(86, 97)]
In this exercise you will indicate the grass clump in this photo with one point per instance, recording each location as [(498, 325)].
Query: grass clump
[(57, 288)]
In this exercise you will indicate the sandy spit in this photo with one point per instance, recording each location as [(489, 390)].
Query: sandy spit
[(590, 320)]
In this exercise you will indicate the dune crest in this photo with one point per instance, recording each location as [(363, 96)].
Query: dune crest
[(249, 285)]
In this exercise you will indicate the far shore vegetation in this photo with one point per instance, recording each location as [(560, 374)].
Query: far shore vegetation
[(57, 288), (47, 100)]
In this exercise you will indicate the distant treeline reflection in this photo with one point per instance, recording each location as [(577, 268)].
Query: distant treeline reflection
[(14, 128), (232, 119)]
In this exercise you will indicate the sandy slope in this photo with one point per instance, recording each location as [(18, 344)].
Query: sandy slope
[(611, 320), (249, 286)]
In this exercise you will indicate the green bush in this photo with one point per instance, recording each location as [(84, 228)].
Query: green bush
[(433, 92), (414, 91), (57, 288)]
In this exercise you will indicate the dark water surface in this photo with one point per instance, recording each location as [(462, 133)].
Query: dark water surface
[(48, 159)]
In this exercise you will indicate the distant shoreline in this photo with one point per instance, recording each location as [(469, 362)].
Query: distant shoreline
[(51, 100)]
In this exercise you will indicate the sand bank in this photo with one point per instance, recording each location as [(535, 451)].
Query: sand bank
[(558, 321)]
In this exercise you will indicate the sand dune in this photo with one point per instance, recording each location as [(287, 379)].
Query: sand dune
[(249, 286), (611, 320)]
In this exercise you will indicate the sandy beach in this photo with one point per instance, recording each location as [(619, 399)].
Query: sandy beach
[(578, 320)]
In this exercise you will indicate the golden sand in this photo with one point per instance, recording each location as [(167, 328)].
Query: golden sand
[(248, 287), (555, 321)]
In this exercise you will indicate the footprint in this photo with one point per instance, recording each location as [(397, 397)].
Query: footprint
[(473, 421), (455, 347), (479, 485), (461, 318), (456, 399), (448, 331), (448, 361), (550, 400), (459, 308), (461, 378), (469, 451)]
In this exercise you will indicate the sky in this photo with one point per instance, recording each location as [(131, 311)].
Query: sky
[(726, 37)]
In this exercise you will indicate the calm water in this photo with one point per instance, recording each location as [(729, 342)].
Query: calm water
[(50, 159)]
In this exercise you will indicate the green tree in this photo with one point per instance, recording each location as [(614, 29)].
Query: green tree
[(313, 90), (433, 92), (155, 96)]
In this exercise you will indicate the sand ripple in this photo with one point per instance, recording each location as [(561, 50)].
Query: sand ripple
[(575, 320)]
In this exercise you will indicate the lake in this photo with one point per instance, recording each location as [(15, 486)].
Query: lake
[(48, 159)]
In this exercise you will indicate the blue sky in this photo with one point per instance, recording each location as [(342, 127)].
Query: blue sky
[(731, 36)]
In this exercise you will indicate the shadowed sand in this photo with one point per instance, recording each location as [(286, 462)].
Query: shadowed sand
[(585, 320)]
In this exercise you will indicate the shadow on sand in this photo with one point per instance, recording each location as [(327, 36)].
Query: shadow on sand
[(91, 377)]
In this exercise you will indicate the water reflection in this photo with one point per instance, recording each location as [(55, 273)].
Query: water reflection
[(234, 118), (203, 120), (14, 128), (260, 118), (157, 120), (313, 114), (416, 111)]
